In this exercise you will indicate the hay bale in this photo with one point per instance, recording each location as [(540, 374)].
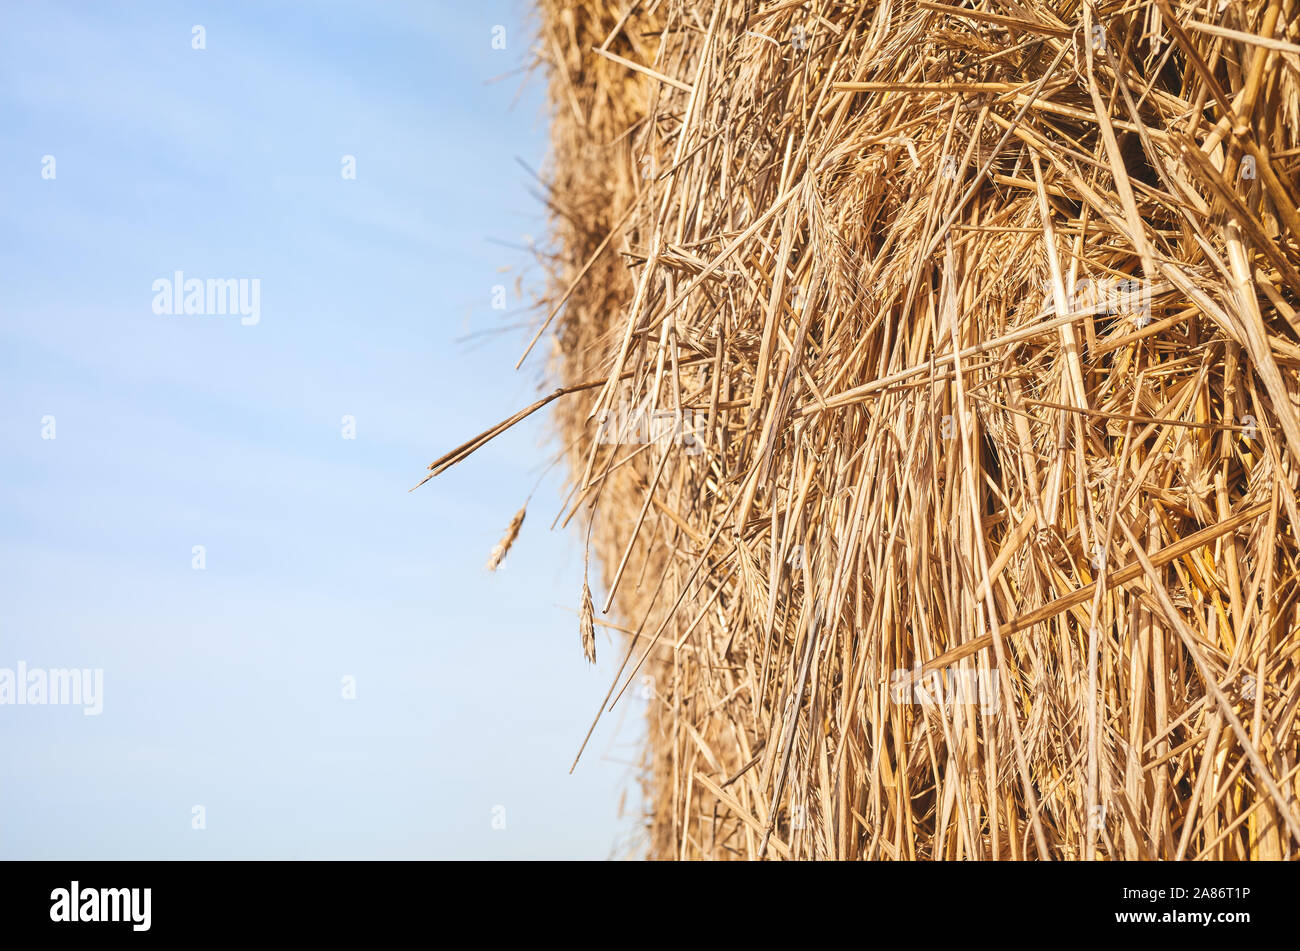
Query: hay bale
[(963, 522)]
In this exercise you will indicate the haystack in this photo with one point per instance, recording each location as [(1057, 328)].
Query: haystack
[(928, 383)]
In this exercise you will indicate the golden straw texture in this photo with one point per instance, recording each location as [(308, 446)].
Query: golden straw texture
[(931, 396)]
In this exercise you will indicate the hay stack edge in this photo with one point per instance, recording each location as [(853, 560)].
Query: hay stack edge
[(927, 381)]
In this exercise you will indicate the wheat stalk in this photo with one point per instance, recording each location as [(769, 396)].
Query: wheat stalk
[(503, 547)]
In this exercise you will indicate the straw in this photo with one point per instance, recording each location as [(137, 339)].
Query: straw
[(929, 373)]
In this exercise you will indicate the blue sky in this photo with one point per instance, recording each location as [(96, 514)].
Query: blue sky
[(222, 686)]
